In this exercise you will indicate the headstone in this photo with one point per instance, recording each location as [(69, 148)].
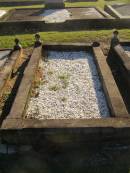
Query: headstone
[(54, 4)]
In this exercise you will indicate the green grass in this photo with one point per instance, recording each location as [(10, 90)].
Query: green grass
[(79, 36), (99, 3), (14, 7)]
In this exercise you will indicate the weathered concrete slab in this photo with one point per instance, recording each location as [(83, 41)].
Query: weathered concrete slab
[(17, 130), (111, 130), (115, 101), (40, 14), (85, 13)]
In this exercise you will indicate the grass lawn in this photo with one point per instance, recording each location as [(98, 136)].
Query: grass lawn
[(80, 36), (99, 3)]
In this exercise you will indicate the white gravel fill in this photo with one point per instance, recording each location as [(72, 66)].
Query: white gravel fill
[(82, 98), (55, 16), (2, 12)]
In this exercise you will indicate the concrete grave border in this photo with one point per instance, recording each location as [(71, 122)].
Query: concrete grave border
[(7, 70), (123, 60), (110, 10), (16, 129), (37, 24), (32, 2)]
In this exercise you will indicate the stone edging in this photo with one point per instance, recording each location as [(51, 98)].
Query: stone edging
[(110, 10), (6, 72), (115, 101), (17, 130), (124, 61), (23, 92)]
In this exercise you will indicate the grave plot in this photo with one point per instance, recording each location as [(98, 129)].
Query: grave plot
[(121, 11), (71, 95), (61, 15), (70, 88), (55, 15), (24, 15)]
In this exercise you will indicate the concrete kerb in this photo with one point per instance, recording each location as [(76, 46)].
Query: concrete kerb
[(7, 70), (110, 10), (114, 98), (15, 129), (22, 96)]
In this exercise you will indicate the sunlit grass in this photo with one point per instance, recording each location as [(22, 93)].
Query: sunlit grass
[(79, 36), (99, 3)]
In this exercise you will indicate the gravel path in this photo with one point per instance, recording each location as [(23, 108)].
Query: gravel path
[(55, 16), (71, 89), (2, 12)]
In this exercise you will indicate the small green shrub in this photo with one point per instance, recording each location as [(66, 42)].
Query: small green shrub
[(54, 87)]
